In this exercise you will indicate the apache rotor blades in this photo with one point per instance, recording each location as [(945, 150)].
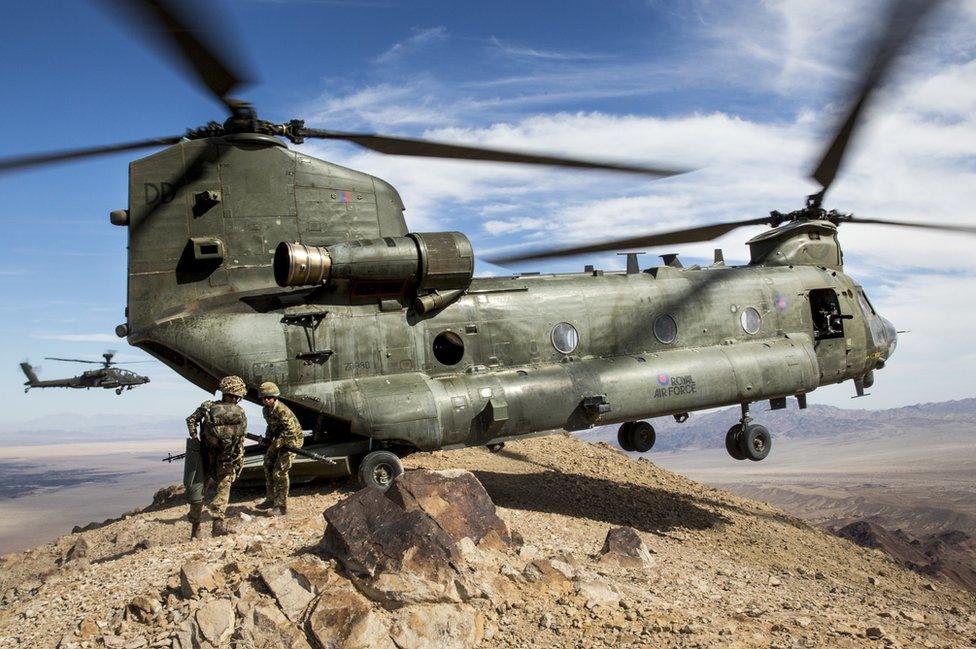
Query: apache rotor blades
[(685, 235), (73, 360), (37, 159), (905, 19), (428, 149), (81, 360), (217, 67)]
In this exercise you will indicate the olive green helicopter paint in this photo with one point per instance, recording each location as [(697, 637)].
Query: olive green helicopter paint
[(358, 351)]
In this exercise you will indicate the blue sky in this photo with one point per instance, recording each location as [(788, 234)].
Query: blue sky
[(742, 90)]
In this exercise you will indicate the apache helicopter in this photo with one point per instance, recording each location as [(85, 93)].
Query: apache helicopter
[(246, 257), (107, 376)]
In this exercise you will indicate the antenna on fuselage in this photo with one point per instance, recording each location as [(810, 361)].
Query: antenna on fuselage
[(632, 266)]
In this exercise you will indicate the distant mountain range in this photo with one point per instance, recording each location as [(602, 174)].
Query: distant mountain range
[(707, 430), (702, 430), (66, 428)]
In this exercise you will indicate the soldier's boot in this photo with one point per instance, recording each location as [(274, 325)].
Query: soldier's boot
[(219, 527), (195, 532), (277, 511), (264, 504)]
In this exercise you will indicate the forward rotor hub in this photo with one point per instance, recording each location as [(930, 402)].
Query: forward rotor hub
[(809, 213), (244, 119)]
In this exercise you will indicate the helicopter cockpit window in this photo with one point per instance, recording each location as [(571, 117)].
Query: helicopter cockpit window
[(565, 338), (750, 320), (665, 329), (448, 348), (865, 303)]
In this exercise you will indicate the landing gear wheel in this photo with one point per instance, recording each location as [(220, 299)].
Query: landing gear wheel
[(623, 436), (755, 443), (495, 448), (642, 436), (732, 439), (118, 390), (379, 469)]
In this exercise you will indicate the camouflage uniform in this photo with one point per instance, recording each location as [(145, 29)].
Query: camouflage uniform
[(283, 428), (224, 425)]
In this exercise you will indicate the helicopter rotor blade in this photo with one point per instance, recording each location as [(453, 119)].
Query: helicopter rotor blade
[(685, 235), (430, 149), (217, 66), (904, 21), (943, 227), (37, 159), (73, 360)]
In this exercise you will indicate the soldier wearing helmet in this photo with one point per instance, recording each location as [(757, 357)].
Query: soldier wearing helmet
[(283, 431), (222, 448)]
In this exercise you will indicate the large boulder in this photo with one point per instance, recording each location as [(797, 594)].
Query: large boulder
[(394, 556), (457, 502), (624, 547)]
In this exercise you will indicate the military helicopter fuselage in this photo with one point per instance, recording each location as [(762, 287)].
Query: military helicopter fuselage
[(107, 377), (248, 258)]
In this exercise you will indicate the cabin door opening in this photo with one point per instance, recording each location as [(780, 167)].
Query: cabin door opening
[(828, 334)]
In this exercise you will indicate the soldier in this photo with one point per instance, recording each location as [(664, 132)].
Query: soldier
[(224, 425), (283, 430)]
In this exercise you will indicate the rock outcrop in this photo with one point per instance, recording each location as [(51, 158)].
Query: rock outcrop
[(402, 547), (457, 503), (395, 556), (948, 555)]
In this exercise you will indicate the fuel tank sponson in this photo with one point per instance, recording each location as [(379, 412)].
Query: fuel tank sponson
[(430, 413)]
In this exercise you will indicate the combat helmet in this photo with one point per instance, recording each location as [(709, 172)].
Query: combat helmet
[(269, 389), (233, 385)]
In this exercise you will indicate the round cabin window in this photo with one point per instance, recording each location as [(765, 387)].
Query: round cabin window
[(448, 348), (565, 338), (751, 320), (665, 329)]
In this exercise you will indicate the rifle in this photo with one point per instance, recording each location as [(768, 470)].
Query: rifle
[(263, 441)]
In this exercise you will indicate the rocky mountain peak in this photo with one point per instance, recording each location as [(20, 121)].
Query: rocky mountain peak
[(550, 542)]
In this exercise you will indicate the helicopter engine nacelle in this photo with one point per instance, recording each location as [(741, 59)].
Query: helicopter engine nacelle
[(427, 261)]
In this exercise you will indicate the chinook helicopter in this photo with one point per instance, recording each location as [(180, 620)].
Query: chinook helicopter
[(107, 376), (246, 257)]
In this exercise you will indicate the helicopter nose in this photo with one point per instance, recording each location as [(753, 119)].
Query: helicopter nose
[(891, 335)]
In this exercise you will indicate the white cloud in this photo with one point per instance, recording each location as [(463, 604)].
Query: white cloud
[(549, 55), (421, 38)]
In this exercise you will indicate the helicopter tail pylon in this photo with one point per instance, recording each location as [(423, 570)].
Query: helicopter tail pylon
[(31, 375)]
